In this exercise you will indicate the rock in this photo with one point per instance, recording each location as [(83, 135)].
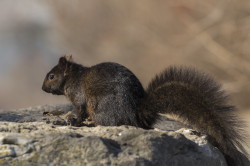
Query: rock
[(34, 114), (40, 143)]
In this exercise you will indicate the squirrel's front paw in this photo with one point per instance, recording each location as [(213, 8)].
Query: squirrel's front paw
[(72, 120)]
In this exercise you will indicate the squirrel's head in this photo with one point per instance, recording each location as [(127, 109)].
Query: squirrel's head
[(55, 80)]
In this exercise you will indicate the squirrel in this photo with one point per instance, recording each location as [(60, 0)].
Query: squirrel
[(111, 95)]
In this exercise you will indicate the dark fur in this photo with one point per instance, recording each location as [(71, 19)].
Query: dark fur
[(108, 92), (201, 103), (112, 95)]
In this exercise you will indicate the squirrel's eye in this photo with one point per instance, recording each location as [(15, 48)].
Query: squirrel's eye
[(51, 76)]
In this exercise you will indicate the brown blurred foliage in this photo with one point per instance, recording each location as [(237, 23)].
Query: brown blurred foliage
[(150, 35)]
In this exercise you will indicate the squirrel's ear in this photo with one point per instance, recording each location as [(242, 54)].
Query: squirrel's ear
[(65, 59), (64, 63)]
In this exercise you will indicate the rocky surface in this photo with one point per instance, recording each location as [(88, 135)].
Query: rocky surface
[(28, 137)]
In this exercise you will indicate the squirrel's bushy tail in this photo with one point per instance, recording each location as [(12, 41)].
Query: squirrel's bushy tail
[(197, 100)]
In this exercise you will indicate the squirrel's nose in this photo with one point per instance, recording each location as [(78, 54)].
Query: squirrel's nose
[(44, 88)]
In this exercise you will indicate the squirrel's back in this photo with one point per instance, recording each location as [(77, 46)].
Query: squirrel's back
[(198, 101)]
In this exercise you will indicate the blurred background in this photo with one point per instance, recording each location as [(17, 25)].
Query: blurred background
[(148, 36)]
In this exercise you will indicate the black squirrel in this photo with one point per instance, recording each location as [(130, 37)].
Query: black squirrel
[(111, 95)]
